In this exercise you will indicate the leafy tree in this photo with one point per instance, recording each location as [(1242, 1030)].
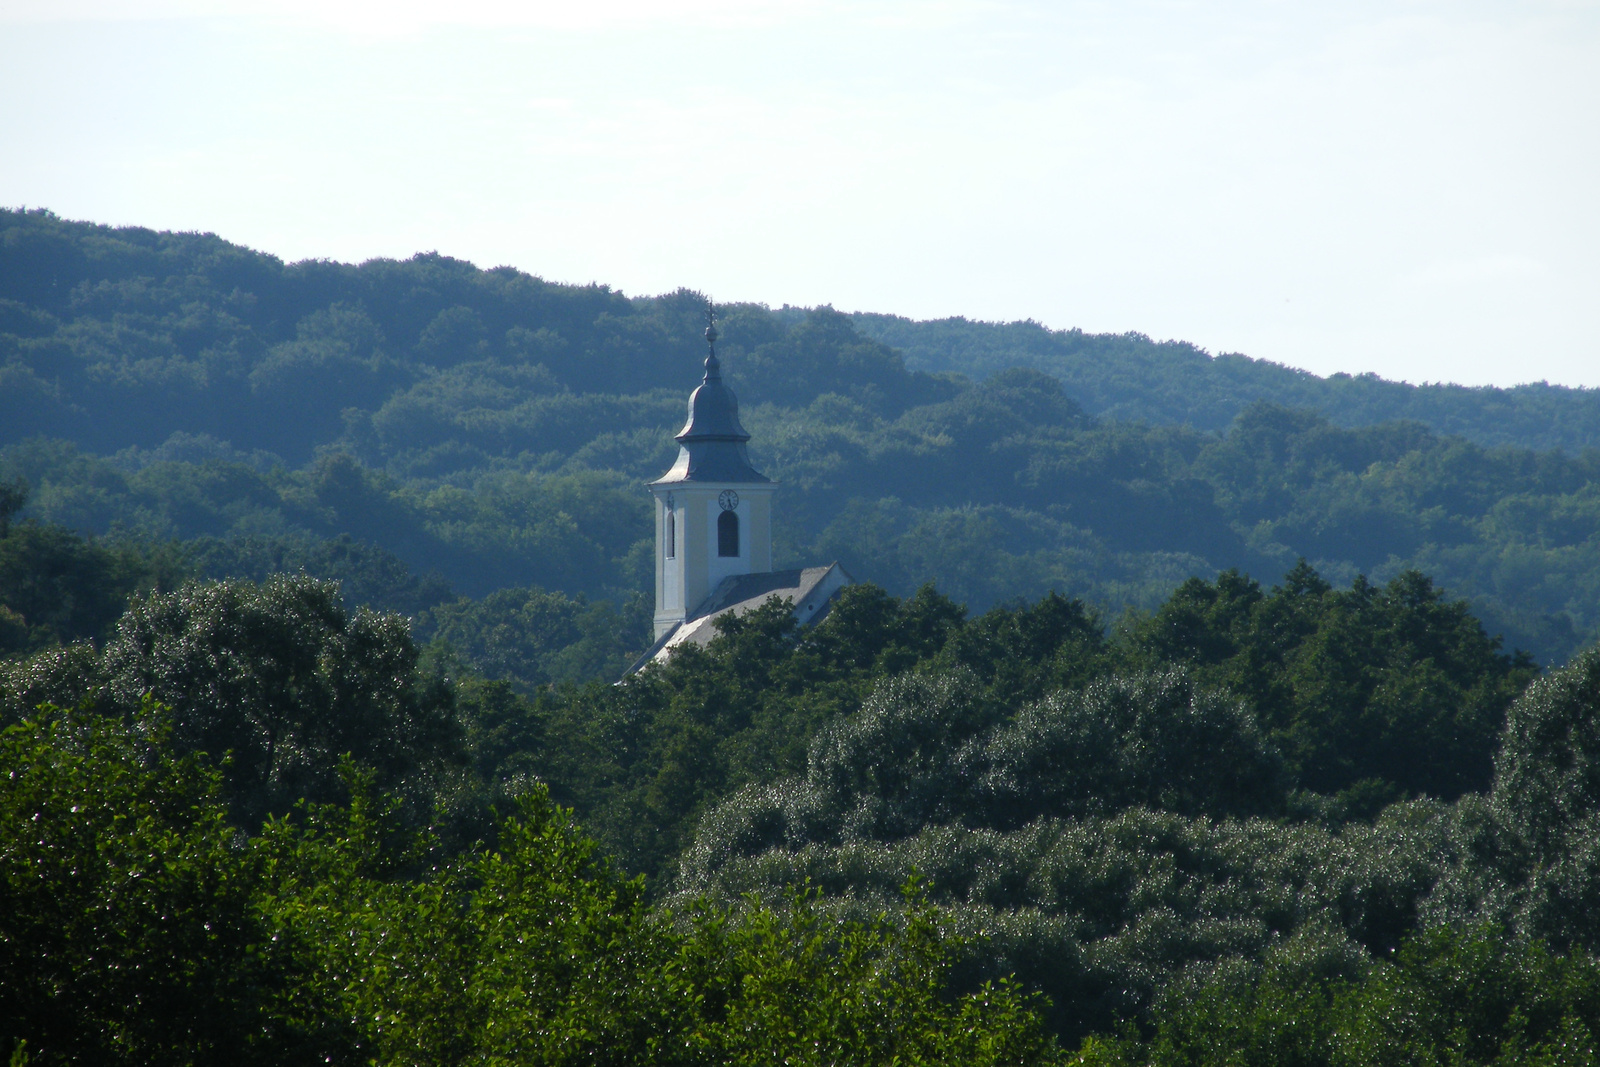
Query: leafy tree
[(761, 976), (645, 760), (533, 637), (13, 496), (1547, 773), (278, 677), (1106, 914), (929, 750), (537, 951), (58, 587), (137, 927), (128, 927), (1447, 997), (1530, 854), (368, 576), (1030, 650), (1394, 684)]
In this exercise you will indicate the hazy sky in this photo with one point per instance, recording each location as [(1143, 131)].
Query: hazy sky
[(1406, 188)]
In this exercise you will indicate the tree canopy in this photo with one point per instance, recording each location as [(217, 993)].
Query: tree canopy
[(490, 430), (1185, 740)]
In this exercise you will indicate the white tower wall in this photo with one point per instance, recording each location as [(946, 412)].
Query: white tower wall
[(694, 568)]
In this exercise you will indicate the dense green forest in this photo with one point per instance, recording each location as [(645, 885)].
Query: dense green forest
[(1298, 824), (1187, 740), (1130, 377), (490, 430)]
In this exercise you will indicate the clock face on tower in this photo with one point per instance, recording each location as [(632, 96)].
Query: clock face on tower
[(729, 500)]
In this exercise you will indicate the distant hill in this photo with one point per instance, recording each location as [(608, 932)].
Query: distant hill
[(496, 429), (1129, 376)]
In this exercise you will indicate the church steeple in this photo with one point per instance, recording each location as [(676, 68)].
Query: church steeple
[(712, 440), (713, 509)]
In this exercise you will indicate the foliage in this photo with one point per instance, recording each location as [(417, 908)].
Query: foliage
[(128, 931), (1359, 696), (533, 637), (57, 587), (1547, 773), (1043, 831), (1106, 913), (642, 760), (1394, 686), (1530, 849), (279, 677), (1468, 997), (368, 576), (926, 750), (494, 427), (1007, 756), (1129, 376), (138, 927), (761, 989)]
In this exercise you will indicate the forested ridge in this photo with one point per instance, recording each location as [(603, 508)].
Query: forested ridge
[(1129, 376), (493, 429), (1155, 742)]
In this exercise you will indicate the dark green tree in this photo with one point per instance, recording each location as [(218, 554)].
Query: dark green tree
[(1394, 687), (128, 926), (279, 678)]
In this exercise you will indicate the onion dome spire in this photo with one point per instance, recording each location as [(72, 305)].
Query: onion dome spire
[(712, 440), (713, 409)]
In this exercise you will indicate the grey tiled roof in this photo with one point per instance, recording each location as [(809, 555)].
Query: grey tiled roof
[(809, 591), (746, 592)]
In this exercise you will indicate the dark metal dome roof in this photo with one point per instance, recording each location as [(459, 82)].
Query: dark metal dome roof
[(713, 410), (712, 441)]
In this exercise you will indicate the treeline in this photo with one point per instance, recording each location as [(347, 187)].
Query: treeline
[(493, 429), (1252, 818), (1082, 815), (1130, 377), (1363, 695), (58, 587)]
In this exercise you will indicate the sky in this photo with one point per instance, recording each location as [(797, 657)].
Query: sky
[(1406, 188)]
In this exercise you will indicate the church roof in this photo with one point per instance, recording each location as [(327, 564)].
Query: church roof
[(713, 409), (810, 590), (712, 442)]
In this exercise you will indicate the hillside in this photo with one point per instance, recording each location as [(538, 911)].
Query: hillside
[(1129, 376), (494, 428)]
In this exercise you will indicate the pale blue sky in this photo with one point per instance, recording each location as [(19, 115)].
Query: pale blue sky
[(1406, 188)]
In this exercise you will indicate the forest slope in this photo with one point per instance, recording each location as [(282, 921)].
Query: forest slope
[(1129, 376), (496, 428)]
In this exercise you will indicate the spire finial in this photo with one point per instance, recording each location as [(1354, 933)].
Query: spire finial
[(713, 368)]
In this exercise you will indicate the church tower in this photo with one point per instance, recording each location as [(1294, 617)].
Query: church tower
[(713, 510)]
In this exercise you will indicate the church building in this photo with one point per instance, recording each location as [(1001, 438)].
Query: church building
[(714, 528)]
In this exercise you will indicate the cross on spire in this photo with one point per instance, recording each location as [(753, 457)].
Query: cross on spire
[(713, 368)]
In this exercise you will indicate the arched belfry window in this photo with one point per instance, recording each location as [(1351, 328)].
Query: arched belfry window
[(672, 533), (728, 533)]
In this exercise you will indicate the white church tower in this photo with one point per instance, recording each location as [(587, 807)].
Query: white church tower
[(713, 510), (714, 530)]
